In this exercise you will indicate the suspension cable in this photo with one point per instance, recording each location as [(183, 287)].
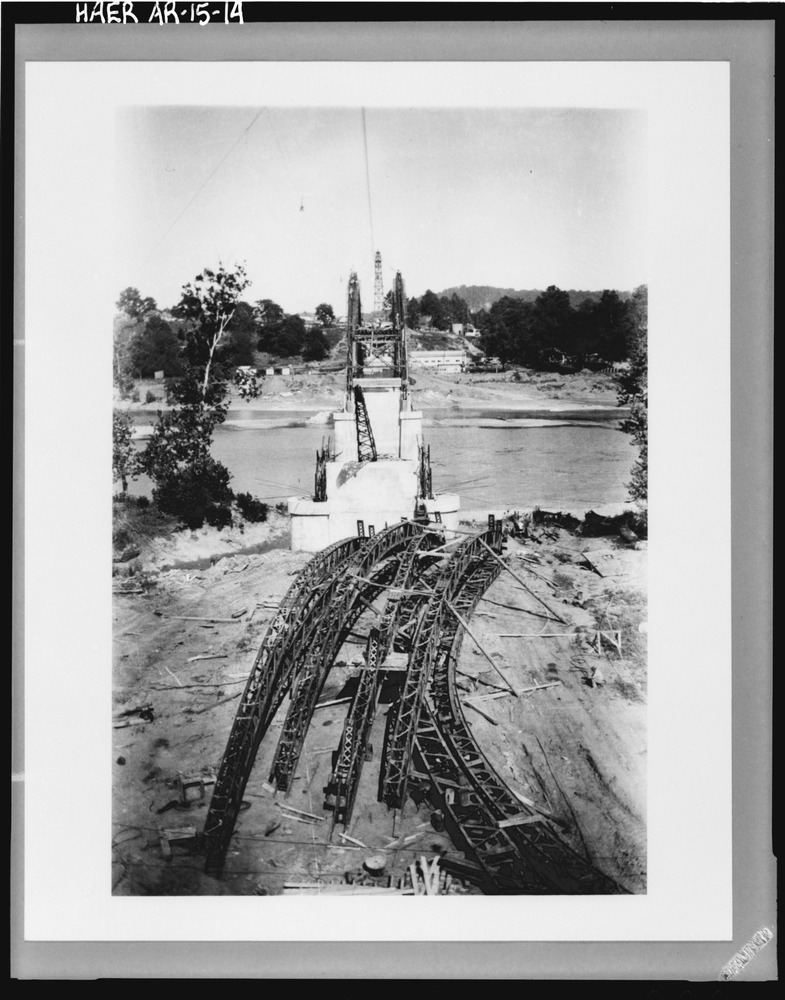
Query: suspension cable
[(368, 182)]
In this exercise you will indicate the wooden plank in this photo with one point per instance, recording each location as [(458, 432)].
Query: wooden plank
[(353, 840), (538, 687), (301, 812), (513, 574), (329, 704), (521, 819), (479, 645), (493, 722), (488, 697)]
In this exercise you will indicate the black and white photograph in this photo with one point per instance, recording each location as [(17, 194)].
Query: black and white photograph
[(377, 498), (380, 520)]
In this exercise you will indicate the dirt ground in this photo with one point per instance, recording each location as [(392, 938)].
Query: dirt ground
[(186, 632), (524, 390)]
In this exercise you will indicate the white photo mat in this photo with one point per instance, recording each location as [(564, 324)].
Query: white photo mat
[(69, 303)]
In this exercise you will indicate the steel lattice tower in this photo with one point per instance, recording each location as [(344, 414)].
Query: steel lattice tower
[(378, 287)]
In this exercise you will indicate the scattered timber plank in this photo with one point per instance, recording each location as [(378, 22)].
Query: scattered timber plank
[(610, 562), (329, 704), (488, 697), (522, 819), (302, 812), (493, 722), (353, 840), (478, 644), (538, 687), (231, 697), (537, 635), (479, 680), (197, 618), (208, 656), (522, 582)]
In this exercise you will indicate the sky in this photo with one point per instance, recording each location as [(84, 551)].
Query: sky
[(509, 197)]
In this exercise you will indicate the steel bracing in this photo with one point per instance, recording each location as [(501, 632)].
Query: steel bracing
[(342, 603), (366, 446), (429, 748), (342, 785)]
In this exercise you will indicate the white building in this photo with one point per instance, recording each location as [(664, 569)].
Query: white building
[(444, 361)]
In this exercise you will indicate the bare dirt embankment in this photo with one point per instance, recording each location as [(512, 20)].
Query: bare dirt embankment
[(185, 640), (525, 391)]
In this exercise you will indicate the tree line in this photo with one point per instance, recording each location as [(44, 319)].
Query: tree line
[(158, 344), (550, 331)]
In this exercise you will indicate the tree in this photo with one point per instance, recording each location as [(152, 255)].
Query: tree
[(614, 324), (123, 453), (508, 332), (242, 337), (189, 483), (208, 305), (325, 314), (413, 314), (154, 348), (289, 338), (268, 313), (315, 346), (133, 305), (633, 391)]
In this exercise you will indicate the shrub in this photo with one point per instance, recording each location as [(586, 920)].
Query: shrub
[(197, 494), (253, 510), (150, 396)]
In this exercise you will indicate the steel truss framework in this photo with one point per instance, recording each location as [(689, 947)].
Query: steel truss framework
[(304, 612), (366, 446), (340, 606), (426, 728), (527, 858), (429, 637), (342, 784)]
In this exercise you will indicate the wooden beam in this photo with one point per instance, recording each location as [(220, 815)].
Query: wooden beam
[(522, 582), (521, 820), (479, 645)]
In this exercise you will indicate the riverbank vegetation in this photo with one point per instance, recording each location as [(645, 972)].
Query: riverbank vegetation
[(189, 485)]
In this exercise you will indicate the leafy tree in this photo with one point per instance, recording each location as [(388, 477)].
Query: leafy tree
[(154, 348), (633, 391), (613, 326), (122, 376), (431, 305), (325, 314), (189, 483), (133, 305), (553, 320), (268, 313), (315, 346), (199, 493), (509, 331), (124, 466), (289, 338), (242, 337), (208, 305), (413, 314), (459, 310)]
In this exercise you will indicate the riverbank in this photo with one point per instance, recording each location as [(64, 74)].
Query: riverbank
[(573, 742), (582, 395)]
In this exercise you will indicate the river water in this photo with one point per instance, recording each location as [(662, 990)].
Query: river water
[(493, 460)]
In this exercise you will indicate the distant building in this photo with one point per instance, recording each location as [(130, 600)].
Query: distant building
[(471, 332), (446, 361)]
